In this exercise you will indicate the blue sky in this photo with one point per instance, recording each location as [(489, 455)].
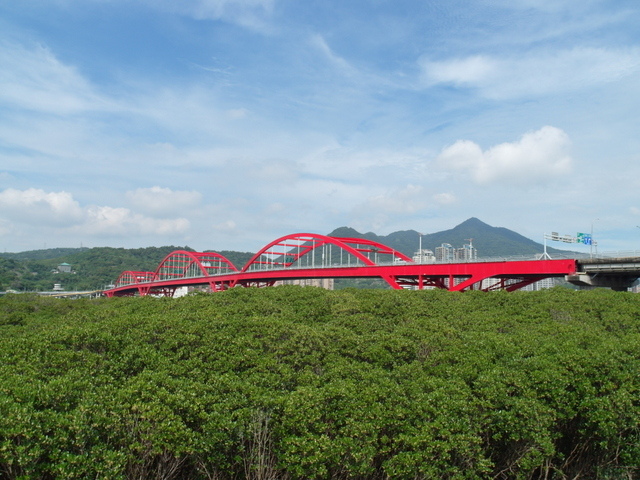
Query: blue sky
[(224, 124)]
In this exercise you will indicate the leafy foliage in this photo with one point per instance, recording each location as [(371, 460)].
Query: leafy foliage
[(303, 383)]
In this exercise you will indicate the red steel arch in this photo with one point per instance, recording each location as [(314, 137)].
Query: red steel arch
[(131, 278), (308, 255), (285, 251), (139, 279), (185, 264)]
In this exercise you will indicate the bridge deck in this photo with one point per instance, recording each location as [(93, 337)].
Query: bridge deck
[(509, 275), (610, 265), (307, 255)]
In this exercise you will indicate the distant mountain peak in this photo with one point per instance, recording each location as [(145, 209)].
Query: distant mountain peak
[(346, 232), (489, 241), (473, 222)]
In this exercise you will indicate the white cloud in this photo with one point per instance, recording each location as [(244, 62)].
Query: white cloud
[(321, 44), (36, 206), (402, 201), (38, 209), (537, 157), (534, 74), (444, 198), (550, 6), (237, 113), (333, 160), (6, 227), (245, 12), (34, 79), (248, 13), (122, 221), (51, 108), (226, 226), (163, 202), (459, 71)]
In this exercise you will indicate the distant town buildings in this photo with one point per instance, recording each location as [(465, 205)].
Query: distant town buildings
[(467, 253), (542, 284), (424, 256), (447, 253), (326, 283), (444, 253)]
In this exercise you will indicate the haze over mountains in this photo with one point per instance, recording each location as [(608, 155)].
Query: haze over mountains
[(489, 241)]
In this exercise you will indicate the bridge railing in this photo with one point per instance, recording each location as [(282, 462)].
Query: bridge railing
[(212, 266), (265, 266), (355, 263)]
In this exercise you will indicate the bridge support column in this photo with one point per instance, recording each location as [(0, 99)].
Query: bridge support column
[(143, 290)]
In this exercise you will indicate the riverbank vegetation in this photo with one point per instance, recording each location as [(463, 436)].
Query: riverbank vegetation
[(303, 383)]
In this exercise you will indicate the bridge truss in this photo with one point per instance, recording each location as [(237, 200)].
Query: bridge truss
[(313, 256)]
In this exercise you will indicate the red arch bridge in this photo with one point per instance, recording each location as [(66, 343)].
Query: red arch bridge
[(312, 256)]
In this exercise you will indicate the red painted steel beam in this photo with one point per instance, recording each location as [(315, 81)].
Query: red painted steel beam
[(183, 268), (132, 277), (520, 273)]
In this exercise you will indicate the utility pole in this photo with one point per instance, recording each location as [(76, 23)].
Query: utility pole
[(591, 240), (420, 253)]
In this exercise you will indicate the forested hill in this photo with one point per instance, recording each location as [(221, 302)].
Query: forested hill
[(92, 268), (44, 254), (489, 241)]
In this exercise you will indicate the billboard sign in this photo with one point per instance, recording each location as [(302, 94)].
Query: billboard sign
[(584, 238)]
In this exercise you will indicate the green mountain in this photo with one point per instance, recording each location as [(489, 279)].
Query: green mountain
[(92, 268), (489, 241)]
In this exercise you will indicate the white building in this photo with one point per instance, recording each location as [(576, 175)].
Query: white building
[(64, 268), (445, 253), (467, 253), (424, 256), (542, 284)]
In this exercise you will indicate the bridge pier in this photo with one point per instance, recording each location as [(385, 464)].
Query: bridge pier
[(619, 283)]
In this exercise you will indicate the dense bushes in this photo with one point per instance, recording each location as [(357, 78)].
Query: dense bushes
[(302, 383)]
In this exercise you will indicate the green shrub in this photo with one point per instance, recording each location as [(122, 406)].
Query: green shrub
[(302, 383)]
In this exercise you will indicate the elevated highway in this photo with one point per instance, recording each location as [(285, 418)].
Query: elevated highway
[(615, 273)]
